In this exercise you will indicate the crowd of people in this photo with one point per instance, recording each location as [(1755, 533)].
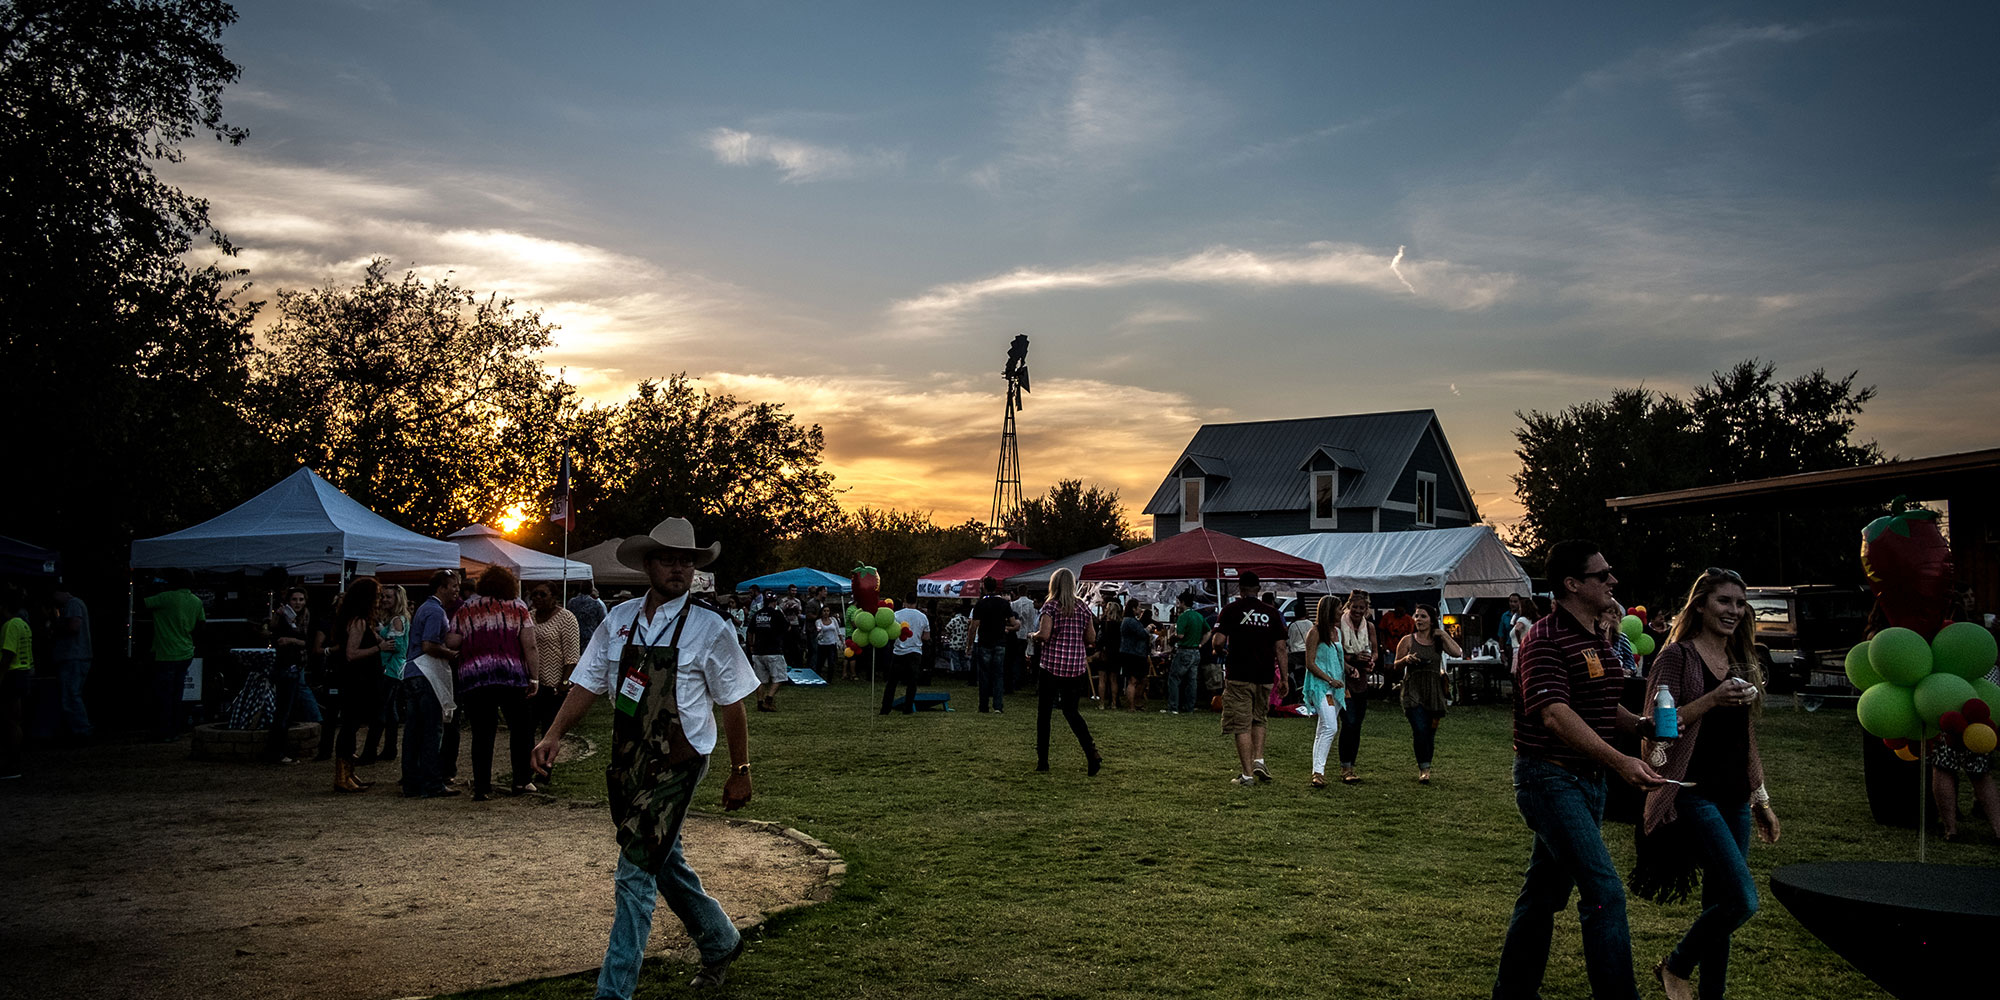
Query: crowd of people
[(373, 668)]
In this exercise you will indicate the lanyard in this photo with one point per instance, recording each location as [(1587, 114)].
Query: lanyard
[(679, 622)]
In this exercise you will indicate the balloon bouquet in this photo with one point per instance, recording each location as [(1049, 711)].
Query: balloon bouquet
[(871, 619), (1922, 682), (1634, 627)]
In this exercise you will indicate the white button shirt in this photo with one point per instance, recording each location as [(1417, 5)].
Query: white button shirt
[(713, 669)]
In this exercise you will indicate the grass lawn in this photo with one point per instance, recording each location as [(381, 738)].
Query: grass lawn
[(971, 874)]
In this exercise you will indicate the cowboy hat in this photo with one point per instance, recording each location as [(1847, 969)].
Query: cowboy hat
[(673, 533)]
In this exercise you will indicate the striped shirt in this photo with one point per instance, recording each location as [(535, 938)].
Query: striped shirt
[(1563, 663), (1065, 655)]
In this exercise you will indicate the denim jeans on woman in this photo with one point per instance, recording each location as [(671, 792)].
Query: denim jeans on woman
[(1423, 733), (1721, 839), (636, 894), (1564, 810)]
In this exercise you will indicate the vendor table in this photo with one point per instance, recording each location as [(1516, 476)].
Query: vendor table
[(1480, 679), (1917, 930)]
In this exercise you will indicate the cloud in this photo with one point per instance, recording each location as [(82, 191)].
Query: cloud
[(1319, 264), (1078, 107), (798, 161), (929, 440), (302, 227), (1278, 149)]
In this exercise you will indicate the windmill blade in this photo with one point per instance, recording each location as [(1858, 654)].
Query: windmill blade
[(1024, 379)]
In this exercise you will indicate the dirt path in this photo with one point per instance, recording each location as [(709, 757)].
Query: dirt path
[(132, 870)]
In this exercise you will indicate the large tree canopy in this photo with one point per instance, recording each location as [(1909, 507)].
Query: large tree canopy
[(1069, 518), (745, 473), (134, 358), (1743, 424), (420, 399)]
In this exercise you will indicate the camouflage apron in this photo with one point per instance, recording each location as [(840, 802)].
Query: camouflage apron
[(653, 769)]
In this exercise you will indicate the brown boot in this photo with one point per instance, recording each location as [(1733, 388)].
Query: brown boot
[(343, 776), (354, 775)]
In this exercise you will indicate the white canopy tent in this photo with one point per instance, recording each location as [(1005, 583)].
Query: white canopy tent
[(605, 567), (302, 525), (1461, 562), (486, 544)]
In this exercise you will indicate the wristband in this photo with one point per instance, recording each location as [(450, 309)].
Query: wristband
[(742, 769)]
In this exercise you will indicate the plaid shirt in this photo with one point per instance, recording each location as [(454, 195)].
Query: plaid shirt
[(1064, 655)]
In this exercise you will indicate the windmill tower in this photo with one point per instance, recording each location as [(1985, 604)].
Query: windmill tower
[(1007, 478)]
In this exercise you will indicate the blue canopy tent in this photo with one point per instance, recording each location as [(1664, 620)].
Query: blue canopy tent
[(803, 577)]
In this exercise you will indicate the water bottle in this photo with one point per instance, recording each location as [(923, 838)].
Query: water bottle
[(1666, 717)]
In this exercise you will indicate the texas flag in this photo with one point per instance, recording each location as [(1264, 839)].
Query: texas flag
[(561, 512)]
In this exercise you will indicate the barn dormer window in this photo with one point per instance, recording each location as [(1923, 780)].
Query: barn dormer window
[(1325, 494), (1427, 499), (1192, 494)]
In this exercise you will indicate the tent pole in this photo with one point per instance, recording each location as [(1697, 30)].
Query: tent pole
[(565, 566)]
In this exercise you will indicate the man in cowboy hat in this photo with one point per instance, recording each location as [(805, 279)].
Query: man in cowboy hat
[(667, 663)]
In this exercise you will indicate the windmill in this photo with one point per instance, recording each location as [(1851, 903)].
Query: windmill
[(1007, 478)]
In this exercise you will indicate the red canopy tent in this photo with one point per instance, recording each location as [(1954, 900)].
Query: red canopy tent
[(1202, 554), (962, 578)]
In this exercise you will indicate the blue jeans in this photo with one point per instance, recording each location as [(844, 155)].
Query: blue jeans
[(1564, 811), (1721, 839), (992, 674), (76, 718), (1350, 728), (636, 893), (423, 728), (1423, 734), (1181, 680)]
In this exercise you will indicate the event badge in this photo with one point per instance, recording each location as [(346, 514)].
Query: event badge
[(630, 690), (1591, 663)]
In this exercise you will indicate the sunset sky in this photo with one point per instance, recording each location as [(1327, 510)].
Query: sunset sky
[(1197, 212)]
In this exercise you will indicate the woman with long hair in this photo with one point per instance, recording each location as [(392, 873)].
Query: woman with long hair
[(357, 671), (1135, 653), (1065, 636), (1358, 642), (495, 636), (1421, 656), (1324, 692), (1104, 643), (393, 609), (1698, 825)]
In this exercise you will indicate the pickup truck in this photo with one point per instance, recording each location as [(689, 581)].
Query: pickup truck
[(1804, 632)]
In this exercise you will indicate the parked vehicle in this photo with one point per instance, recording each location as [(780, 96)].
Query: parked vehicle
[(1804, 632)]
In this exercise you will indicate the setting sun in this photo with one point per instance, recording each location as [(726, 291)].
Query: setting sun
[(510, 519)]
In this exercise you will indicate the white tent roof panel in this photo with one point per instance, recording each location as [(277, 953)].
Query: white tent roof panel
[(1460, 562)]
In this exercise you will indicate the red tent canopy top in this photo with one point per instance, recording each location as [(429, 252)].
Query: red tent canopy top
[(962, 578), (1202, 554)]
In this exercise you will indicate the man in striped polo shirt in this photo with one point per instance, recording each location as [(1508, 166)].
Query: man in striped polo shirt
[(1567, 680)]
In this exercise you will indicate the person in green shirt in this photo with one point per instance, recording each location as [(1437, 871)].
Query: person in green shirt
[(1189, 629), (176, 615), (17, 670)]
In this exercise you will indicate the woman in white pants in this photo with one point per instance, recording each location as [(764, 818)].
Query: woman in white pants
[(1324, 693)]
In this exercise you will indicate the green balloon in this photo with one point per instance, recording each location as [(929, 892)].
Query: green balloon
[(859, 618), (1964, 649), (1900, 656), (1941, 693), (1888, 711), (1986, 691), (1859, 673), (884, 618), (859, 635), (1644, 645), (1632, 627), (879, 638)]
